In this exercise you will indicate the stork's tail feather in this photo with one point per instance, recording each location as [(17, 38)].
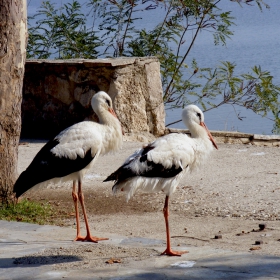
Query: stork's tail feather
[(112, 177), (23, 183), (114, 189)]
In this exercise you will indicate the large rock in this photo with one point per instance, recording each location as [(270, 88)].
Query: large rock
[(57, 94)]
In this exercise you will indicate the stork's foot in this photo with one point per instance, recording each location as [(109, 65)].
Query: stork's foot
[(90, 238), (170, 252)]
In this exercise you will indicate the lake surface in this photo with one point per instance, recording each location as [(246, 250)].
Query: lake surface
[(256, 41)]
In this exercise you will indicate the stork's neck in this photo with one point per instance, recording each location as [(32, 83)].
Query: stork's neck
[(202, 146), (201, 138), (197, 131), (112, 132)]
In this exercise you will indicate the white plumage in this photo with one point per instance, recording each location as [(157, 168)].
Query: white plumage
[(160, 165), (72, 152)]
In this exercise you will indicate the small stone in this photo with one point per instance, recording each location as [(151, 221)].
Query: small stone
[(258, 242), (262, 226), (255, 248), (111, 261), (218, 236)]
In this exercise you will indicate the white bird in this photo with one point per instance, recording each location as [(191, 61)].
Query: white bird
[(72, 153), (160, 165)]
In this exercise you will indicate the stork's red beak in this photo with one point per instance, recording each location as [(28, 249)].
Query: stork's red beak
[(209, 134), (111, 110)]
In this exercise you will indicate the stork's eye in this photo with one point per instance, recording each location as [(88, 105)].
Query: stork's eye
[(108, 102), (199, 115)]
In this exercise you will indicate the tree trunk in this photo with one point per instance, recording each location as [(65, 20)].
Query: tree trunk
[(13, 35)]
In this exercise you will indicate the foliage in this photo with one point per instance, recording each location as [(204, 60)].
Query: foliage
[(62, 33), (27, 211), (171, 40), (253, 91), (260, 3)]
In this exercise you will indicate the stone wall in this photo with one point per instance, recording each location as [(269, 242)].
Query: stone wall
[(57, 94)]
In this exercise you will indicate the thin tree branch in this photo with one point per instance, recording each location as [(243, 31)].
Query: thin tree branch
[(163, 23), (186, 54), (126, 28)]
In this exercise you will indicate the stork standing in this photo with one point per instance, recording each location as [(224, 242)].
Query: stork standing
[(72, 153), (160, 165)]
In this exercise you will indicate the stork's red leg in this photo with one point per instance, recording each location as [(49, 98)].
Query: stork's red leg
[(75, 199), (168, 251), (88, 236)]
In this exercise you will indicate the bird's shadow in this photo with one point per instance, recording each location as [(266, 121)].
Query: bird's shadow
[(45, 260)]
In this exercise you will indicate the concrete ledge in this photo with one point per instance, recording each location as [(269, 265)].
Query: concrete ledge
[(118, 61), (234, 137)]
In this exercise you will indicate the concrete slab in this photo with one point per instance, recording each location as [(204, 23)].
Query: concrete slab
[(22, 239)]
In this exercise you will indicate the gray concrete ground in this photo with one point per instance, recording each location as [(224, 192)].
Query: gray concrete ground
[(21, 239)]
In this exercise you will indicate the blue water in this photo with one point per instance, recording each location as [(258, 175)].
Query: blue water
[(256, 41)]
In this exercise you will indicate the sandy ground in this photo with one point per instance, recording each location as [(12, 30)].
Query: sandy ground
[(237, 189)]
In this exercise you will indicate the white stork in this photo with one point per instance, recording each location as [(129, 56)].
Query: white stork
[(160, 165), (72, 152)]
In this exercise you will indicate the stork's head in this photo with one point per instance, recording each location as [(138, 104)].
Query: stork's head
[(101, 102), (193, 118), (192, 115)]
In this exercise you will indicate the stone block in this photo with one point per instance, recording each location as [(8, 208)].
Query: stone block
[(57, 94)]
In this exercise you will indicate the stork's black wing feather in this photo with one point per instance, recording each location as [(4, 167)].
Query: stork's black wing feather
[(148, 168), (46, 166)]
